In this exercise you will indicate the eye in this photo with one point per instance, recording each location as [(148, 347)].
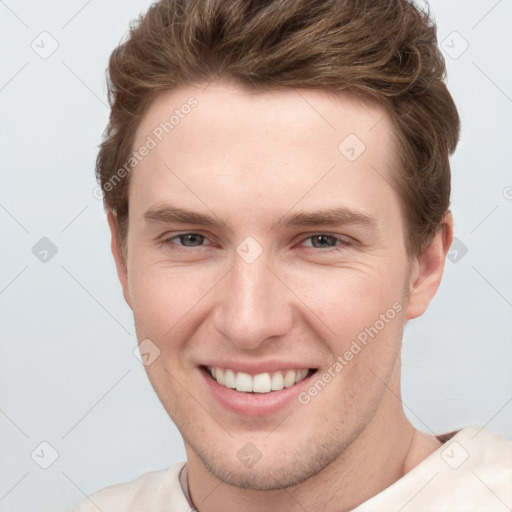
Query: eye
[(187, 239), (324, 241)]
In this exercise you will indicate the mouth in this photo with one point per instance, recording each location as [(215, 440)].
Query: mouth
[(261, 383)]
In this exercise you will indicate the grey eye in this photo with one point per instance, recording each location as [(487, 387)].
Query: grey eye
[(323, 241), (190, 239)]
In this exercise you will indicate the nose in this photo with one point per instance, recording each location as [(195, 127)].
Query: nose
[(253, 305)]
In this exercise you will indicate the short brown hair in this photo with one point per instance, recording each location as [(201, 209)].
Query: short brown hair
[(384, 50)]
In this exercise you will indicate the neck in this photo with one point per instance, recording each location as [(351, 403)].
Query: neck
[(387, 448)]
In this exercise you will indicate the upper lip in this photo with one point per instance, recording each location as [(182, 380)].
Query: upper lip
[(255, 367)]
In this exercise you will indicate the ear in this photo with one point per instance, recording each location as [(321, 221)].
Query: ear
[(427, 269), (119, 257)]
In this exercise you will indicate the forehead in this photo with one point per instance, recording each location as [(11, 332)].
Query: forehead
[(228, 146), (317, 118)]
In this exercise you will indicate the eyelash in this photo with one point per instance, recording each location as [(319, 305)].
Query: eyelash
[(340, 242)]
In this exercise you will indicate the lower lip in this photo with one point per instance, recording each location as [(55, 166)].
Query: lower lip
[(254, 404)]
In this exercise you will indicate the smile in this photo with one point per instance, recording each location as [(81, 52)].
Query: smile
[(259, 383)]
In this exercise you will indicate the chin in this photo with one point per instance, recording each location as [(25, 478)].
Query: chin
[(276, 469)]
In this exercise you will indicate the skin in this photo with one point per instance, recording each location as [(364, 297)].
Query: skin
[(250, 160)]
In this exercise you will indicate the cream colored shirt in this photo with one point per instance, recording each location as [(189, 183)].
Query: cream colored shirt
[(470, 472)]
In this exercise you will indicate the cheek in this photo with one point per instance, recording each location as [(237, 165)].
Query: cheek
[(163, 297), (348, 300), (364, 312)]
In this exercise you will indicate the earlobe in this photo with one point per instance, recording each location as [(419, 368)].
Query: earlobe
[(119, 258), (427, 270)]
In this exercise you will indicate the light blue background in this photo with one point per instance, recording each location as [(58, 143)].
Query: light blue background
[(67, 372)]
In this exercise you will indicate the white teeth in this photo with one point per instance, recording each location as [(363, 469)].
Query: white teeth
[(229, 379), (260, 383), (277, 381), (289, 379), (243, 382), (301, 374)]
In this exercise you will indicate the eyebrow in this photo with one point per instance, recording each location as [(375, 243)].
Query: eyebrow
[(166, 214), (326, 217)]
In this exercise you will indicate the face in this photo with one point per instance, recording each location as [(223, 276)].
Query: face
[(267, 264)]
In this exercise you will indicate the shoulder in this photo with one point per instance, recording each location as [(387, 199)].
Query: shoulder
[(475, 471), (475, 449), (472, 470), (153, 491)]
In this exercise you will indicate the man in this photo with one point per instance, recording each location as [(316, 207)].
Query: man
[(277, 184)]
